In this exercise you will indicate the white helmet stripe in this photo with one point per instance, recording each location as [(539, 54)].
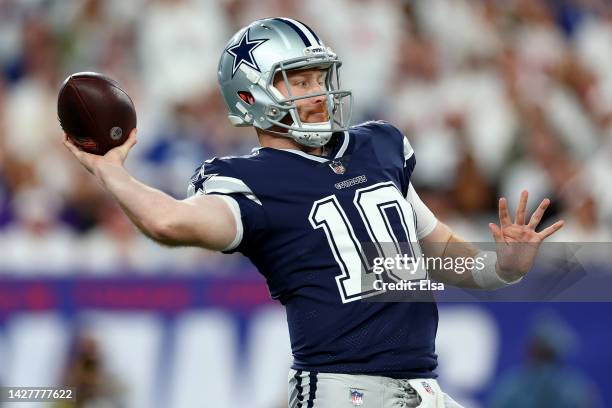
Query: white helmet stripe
[(302, 31), (309, 33)]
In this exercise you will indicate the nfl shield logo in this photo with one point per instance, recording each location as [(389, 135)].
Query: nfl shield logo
[(356, 397), (337, 167), (427, 387)]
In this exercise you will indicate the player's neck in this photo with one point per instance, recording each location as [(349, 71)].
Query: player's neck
[(273, 141)]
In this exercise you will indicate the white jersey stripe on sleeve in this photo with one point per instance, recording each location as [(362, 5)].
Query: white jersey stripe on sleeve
[(426, 221), (229, 185), (408, 151), (235, 209)]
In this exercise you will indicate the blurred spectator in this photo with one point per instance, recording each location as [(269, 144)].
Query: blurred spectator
[(94, 386), (593, 42), (243, 12), (30, 105), (179, 43), (545, 380), (472, 34), (37, 243)]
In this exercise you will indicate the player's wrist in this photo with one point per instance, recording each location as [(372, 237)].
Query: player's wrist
[(507, 275), (105, 170), (491, 276)]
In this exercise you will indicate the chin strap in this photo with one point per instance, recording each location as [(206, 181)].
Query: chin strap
[(314, 134)]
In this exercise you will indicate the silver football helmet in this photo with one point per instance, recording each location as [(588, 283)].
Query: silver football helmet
[(249, 65)]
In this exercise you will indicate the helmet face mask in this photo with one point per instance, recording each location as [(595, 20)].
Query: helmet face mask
[(336, 107), (275, 48)]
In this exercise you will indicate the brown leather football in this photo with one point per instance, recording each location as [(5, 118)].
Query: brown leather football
[(95, 112)]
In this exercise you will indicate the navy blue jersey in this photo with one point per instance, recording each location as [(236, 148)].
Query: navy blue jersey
[(305, 221)]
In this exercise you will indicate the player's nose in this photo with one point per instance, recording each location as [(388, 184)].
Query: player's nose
[(318, 98)]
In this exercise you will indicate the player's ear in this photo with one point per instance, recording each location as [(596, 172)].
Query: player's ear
[(279, 83), (277, 78)]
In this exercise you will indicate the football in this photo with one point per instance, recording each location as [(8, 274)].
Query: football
[(95, 112)]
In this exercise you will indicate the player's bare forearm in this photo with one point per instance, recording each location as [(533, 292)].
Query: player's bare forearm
[(145, 206), (200, 221), (443, 243)]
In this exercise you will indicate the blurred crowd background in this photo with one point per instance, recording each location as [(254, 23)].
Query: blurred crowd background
[(495, 96)]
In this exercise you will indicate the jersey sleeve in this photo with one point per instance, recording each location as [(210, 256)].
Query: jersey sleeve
[(409, 159), (426, 221), (216, 177), (402, 145)]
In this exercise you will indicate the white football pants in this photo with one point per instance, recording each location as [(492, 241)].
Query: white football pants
[(325, 390)]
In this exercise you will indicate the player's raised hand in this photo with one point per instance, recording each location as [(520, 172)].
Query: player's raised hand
[(517, 242), (91, 161)]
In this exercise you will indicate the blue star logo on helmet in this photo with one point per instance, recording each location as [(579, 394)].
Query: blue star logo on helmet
[(243, 52)]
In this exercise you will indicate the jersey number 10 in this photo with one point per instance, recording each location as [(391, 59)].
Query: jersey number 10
[(374, 204)]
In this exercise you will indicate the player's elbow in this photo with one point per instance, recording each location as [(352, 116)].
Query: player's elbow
[(205, 223), (163, 231)]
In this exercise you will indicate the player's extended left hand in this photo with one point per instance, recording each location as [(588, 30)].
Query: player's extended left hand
[(517, 242)]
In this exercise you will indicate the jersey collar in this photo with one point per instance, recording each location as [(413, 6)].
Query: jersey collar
[(339, 153)]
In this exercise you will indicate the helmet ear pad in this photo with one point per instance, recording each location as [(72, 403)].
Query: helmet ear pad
[(246, 97)]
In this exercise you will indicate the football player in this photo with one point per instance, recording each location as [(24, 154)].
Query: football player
[(306, 206)]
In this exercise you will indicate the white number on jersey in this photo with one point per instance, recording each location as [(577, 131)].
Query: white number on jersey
[(373, 205)]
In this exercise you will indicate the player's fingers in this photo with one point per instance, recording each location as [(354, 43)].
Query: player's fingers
[(132, 138), (538, 213), (70, 146), (123, 149), (129, 143), (504, 217), (547, 232), (497, 233), (522, 207)]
